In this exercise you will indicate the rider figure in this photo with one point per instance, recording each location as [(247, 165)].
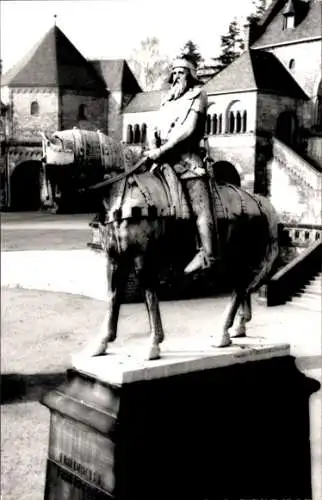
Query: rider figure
[(181, 127)]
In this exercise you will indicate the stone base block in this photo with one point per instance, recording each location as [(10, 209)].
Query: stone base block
[(224, 424)]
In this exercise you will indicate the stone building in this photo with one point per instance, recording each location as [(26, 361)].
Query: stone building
[(264, 116), (265, 110), (55, 88)]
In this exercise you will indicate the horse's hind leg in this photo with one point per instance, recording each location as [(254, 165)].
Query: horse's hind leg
[(244, 315), (223, 339), (148, 281)]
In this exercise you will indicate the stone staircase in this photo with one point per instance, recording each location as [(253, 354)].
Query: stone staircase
[(311, 296)]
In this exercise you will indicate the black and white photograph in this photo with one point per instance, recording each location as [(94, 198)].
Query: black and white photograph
[(161, 249)]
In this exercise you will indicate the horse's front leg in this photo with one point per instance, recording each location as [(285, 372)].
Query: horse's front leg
[(223, 339), (245, 315), (148, 280), (116, 273)]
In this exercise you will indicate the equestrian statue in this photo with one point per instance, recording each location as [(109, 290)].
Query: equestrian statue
[(160, 206)]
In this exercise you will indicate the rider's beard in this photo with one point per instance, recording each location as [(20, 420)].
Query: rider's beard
[(178, 88)]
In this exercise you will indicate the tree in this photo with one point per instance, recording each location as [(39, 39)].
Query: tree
[(232, 45), (149, 66), (191, 52)]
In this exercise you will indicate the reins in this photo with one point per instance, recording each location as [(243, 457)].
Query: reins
[(119, 177)]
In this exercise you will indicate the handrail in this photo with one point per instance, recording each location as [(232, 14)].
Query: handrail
[(289, 280)]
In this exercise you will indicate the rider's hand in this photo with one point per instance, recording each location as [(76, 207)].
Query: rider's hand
[(153, 154)]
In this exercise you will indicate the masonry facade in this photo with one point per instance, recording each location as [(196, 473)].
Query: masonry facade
[(264, 110)]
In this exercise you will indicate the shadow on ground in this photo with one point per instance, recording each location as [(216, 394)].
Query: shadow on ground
[(17, 387)]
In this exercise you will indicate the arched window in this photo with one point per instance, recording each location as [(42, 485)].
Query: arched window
[(214, 124), (136, 134), (220, 124), (208, 125), (231, 122), (129, 134), (291, 64), (244, 127), (143, 133), (82, 112), (236, 118), (34, 108), (238, 122)]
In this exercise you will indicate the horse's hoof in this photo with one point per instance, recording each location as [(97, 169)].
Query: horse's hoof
[(154, 353), (237, 332), (93, 350), (224, 341)]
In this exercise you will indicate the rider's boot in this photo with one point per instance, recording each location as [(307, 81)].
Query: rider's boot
[(205, 258)]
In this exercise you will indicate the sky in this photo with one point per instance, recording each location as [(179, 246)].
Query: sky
[(114, 28)]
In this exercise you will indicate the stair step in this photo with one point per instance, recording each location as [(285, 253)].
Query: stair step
[(312, 303)]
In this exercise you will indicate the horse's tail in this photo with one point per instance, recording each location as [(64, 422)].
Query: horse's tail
[(270, 255)]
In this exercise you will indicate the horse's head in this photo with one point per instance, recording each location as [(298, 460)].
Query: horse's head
[(55, 150)]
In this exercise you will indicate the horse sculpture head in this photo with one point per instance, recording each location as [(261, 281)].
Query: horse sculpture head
[(55, 151)]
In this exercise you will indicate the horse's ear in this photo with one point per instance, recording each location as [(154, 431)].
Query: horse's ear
[(45, 137)]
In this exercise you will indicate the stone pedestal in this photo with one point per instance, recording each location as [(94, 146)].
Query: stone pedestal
[(193, 425)]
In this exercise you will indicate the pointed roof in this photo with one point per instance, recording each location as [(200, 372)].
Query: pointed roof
[(270, 26), (146, 101), (257, 70), (54, 62), (116, 75)]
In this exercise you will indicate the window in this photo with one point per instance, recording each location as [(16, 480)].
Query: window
[(208, 125), (82, 112), (236, 118), (238, 122), (291, 64), (220, 124), (231, 122), (34, 108), (143, 133), (214, 124), (244, 121), (214, 120), (136, 134), (288, 22), (129, 134)]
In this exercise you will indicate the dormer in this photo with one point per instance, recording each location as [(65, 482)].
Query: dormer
[(289, 15), (294, 13)]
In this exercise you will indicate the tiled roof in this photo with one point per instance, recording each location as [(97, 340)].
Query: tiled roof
[(145, 101), (271, 25), (255, 70), (54, 62), (117, 75)]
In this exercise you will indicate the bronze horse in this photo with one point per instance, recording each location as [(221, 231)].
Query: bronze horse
[(146, 223)]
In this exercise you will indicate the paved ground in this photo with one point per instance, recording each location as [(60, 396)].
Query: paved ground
[(58, 270)]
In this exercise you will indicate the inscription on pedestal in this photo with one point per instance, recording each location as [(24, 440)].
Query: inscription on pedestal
[(82, 451)]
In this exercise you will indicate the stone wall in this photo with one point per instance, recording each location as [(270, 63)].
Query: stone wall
[(239, 150), (25, 126), (115, 118), (269, 107), (295, 186), (307, 63), (96, 111)]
